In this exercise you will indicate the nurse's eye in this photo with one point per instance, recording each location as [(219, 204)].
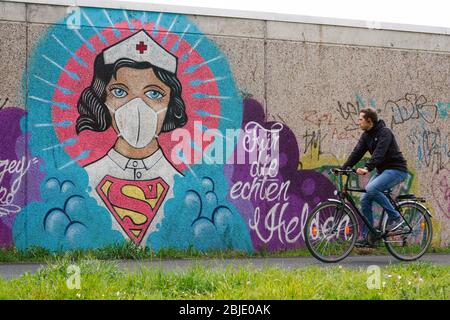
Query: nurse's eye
[(154, 94), (119, 93)]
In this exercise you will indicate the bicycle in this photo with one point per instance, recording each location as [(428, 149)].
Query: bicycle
[(331, 229)]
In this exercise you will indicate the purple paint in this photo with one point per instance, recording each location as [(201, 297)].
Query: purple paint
[(281, 220), (13, 154), (308, 186)]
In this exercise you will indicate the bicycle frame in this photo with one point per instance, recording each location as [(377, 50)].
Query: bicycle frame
[(345, 197)]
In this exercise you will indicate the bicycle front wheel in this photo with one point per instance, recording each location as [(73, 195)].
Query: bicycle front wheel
[(331, 231), (412, 242)]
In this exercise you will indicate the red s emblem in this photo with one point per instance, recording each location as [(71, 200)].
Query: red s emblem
[(134, 204)]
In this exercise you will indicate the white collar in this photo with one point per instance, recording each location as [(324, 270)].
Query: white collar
[(130, 163)]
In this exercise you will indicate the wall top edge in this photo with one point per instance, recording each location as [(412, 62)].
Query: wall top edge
[(254, 15)]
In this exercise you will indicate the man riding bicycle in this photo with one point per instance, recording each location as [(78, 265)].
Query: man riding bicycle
[(389, 162)]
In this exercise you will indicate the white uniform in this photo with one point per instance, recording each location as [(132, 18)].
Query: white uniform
[(118, 166)]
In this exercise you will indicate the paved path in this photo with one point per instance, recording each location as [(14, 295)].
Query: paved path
[(9, 271)]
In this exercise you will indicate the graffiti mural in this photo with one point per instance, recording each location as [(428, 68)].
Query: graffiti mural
[(136, 131), (139, 133)]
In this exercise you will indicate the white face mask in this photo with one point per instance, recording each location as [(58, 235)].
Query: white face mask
[(136, 122)]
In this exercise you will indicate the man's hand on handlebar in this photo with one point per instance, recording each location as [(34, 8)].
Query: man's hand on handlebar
[(362, 171), (341, 171), (347, 171)]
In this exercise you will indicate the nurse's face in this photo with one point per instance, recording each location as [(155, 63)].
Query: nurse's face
[(133, 83)]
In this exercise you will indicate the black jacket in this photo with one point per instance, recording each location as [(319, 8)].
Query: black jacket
[(381, 144)]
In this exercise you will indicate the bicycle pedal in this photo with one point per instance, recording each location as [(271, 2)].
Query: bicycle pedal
[(394, 234), (373, 239)]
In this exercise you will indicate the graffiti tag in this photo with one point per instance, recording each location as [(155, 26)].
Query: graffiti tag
[(441, 191), (411, 107), (432, 147), (444, 183), (3, 102), (318, 118), (349, 111), (344, 135), (313, 141)]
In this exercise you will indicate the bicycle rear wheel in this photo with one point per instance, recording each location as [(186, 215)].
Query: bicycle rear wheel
[(412, 243), (331, 231)]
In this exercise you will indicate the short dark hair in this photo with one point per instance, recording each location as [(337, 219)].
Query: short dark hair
[(94, 114), (369, 113)]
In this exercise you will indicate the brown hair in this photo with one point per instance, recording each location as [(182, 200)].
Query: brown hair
[(369, 113)]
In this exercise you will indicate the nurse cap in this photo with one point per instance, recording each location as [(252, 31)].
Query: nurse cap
[(141, 47)]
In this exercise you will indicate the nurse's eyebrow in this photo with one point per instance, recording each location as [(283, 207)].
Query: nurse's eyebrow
[(118, 84), (154, 86)]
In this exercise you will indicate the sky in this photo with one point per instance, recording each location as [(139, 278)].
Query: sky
[(433, 13)]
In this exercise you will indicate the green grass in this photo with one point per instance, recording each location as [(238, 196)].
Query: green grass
[(104, 280), (123, 252), (131, 251)]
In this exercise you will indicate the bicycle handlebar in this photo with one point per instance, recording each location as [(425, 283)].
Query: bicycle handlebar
[(337, 171)]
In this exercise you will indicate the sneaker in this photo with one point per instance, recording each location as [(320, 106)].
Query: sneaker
[(363, 243), (395, 224)]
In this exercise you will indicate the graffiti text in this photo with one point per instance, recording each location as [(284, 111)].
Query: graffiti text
[(17, 169)]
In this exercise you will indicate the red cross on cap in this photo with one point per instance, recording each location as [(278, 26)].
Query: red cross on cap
[(141, 47)]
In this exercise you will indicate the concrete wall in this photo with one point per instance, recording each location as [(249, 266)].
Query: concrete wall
[(308, 79)]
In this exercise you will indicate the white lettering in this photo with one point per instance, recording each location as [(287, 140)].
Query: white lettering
[(17, 169), (275, 223)]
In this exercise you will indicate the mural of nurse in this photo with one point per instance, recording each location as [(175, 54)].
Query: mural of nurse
[(135, 90)]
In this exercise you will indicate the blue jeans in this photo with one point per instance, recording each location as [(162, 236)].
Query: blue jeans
[(374, 193)]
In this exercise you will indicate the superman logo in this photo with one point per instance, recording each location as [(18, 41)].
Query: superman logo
[(133, 204)]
